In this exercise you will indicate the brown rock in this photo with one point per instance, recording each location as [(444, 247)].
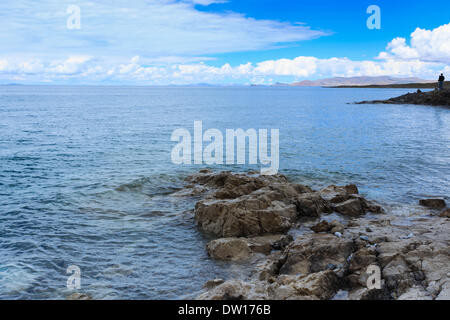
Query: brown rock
[(213, 283), (320, 285), (433, 203), (236, 290), (312, 205), (322, 226), (336, 226), (445, 213), (79, 296), (314, 253), (230, 249), (336, 194), (351, 207)]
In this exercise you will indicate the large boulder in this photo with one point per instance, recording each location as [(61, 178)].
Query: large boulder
[(245, 205)]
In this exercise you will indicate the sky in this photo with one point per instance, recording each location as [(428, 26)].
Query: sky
[(179, 42)]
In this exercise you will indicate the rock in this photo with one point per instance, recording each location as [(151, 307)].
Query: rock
[(312, 253), (351, 207), (445, 213), (369, 294), (433, 98), (444, 293), (265, 244), (229, 249), (409, 263), (246, 216), (246, 205), (433, 203), (312, 205), (79, 296), (415, 293), (320, 285), (235, 249), (409, 236), (270, 267), (365, 238), (236, 290), (338, 234), (213, 283), (322, 226), (282, 242), (336, 226), (336, 194)]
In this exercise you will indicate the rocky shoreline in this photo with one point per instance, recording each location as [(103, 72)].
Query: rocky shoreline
[(432, 98), (308, 245)]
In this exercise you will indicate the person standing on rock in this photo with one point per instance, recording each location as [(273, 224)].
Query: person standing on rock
[(441, 82)]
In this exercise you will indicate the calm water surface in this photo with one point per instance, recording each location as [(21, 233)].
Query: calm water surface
[(86, 175)]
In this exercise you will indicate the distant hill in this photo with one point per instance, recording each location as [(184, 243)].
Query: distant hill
[(356, 81)]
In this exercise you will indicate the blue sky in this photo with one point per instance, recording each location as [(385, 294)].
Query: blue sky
[(218, 41)]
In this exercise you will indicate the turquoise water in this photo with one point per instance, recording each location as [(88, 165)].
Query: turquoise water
[(86, 175)]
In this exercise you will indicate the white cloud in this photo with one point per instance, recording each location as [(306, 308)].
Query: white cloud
[(207, 2), (426, 45), (137, 70), (148, 28)]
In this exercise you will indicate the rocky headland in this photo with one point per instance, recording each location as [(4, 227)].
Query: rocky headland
[(310, 244), (432, 98)]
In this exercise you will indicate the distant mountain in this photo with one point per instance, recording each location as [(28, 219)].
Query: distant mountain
[(356, 81)]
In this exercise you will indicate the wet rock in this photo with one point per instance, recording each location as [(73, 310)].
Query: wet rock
[(433, 203)]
